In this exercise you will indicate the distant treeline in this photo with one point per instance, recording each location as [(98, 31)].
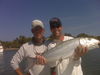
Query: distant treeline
[(15, 43), (22, 39)]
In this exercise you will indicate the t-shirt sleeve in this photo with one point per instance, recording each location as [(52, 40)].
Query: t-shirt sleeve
[(17, 58)]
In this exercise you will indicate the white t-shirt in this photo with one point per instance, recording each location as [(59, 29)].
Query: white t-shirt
[(29, 50), (67, 66)]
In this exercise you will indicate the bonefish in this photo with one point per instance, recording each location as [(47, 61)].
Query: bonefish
[(66, 49)]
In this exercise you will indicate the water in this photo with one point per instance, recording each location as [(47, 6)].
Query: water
[(90, 63)]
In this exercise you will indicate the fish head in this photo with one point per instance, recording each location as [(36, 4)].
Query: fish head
[(90, 43)]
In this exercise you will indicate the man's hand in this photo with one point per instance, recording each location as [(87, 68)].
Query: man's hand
[(19, 72), (80, 51), (40, 60)]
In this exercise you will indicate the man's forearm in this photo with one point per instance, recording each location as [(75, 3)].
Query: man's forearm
[(19, 72)]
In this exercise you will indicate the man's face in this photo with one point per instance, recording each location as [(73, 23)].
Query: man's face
[(38, 32), (56, 31)]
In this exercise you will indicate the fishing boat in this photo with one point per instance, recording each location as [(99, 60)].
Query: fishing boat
[(1, 48)]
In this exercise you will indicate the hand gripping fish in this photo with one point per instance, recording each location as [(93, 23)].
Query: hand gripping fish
[(67, 48)]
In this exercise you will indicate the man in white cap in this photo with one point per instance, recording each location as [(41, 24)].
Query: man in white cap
[(32, 49)]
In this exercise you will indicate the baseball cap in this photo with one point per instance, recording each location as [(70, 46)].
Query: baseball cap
[(55, 22), (37, 23)]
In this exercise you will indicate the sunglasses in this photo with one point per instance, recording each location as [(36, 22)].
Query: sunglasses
[(55, 26), (38, 29)]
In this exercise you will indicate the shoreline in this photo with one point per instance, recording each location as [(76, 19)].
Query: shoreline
[(8, 49)]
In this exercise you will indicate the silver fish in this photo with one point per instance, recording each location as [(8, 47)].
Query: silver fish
[(67, 48)]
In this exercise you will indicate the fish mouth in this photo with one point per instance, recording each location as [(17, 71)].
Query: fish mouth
[(99, 43)]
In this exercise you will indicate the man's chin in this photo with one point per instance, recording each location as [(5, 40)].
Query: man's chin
[(39, 37), (57, 34)]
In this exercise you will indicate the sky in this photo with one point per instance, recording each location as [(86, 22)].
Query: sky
[(77, 16)]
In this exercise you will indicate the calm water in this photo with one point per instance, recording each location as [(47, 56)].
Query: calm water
[(90, 63)]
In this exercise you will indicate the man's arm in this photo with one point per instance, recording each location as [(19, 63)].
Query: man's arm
[(19, 72), (17, 58)]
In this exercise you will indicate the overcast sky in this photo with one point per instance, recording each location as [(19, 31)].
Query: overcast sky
[(77, 16)]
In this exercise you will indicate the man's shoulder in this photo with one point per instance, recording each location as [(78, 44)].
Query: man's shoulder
[(27, 44), (68, 37), (48, 40)]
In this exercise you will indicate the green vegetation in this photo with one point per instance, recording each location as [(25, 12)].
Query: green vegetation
[(15, 43), (22, 39)]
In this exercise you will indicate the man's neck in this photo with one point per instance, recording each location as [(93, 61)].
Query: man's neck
[(61, 37), (38, 41)]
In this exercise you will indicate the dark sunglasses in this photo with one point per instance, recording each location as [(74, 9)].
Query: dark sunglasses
[(38, 28), (55, 26)]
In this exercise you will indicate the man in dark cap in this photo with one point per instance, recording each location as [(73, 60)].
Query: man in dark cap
[(69, 66)]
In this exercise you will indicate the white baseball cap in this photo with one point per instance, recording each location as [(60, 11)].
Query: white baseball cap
[(37, 23)]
